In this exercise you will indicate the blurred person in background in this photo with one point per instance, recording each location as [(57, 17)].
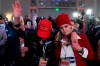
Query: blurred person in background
[(77, 27), (3, 39), (2, 22), (28, 23)]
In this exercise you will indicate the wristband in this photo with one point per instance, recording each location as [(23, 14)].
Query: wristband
[(82, 51)]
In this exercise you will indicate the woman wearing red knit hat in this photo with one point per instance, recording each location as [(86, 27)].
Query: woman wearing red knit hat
[(68, 52)]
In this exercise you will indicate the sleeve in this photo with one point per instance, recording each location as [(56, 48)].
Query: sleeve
[(4, 38), (84, 53), (88, 52)]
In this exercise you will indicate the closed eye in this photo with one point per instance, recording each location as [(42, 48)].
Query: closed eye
[(66, 26)]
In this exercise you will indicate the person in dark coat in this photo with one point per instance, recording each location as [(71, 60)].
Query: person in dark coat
[(41, 44)]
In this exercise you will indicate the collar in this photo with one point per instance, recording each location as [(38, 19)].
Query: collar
[(78, 37)]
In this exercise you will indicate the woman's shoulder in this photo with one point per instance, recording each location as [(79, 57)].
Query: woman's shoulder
[(82, 35)]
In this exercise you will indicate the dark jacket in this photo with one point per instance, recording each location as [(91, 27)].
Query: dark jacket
[(3, 39), (36, 48)]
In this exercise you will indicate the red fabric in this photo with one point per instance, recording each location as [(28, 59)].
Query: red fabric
[(79, 59), (63, 19), (99, 55), (44, 29)]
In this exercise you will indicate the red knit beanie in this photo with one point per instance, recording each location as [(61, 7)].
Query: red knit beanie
[(63, 19)]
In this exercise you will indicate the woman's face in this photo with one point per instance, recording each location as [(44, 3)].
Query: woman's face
[(65, 29)]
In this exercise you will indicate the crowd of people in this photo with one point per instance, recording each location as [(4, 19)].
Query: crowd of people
[(53, 42), (21, 45)]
